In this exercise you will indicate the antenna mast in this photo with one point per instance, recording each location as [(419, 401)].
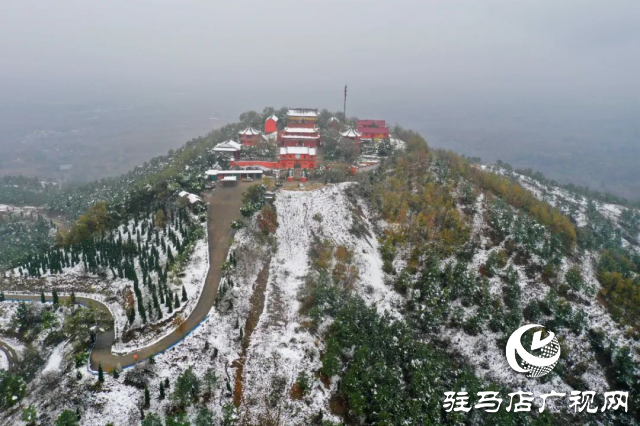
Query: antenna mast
[(344, 110)]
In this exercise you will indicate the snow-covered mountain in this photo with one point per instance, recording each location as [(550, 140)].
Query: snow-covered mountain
[(363, 302)]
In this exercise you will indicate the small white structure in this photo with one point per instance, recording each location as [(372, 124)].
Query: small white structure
[(192, 198), (228, 146)]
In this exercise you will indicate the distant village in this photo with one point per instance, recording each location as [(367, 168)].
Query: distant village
[(297, 147)]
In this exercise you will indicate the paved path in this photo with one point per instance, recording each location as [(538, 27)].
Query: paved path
[(12, 357), (224, 208)]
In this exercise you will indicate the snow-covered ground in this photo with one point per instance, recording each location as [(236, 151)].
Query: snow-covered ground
[(281, 346), (111, 291), (215, 345), (4, 361), (487, 355), (55, 359)]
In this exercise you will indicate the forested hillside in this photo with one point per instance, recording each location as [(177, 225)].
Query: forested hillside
[(345, 303)]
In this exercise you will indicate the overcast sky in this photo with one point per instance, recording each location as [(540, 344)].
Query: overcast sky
[(569, 50)]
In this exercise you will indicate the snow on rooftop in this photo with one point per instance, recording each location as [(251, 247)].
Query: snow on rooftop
[(193, 198), (301, 129), (273, 117), (231, 172), (230, 178), (351, 133), (249, 131), (228, 146), (297, 150), (302, 112), (299, 137)]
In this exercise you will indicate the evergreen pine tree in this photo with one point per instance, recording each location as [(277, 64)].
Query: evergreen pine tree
[(42, 298), (177, 300), (1, 296), (161, 391), (72, 298), (184, 294), (141, 311), (100, 373), (54, 295), (116, 373), (166, 383), (161, 295), (147, 397)]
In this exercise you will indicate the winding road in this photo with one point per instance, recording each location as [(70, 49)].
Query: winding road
[(224, 208), (12, 357)]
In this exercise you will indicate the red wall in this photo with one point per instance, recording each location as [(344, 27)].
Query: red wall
[(270, 126), (267, 164), (249, 140)]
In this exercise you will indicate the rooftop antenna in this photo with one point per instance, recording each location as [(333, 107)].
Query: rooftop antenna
[(344, 110)]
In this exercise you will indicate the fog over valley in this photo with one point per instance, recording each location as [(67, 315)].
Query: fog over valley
[(91, 90)]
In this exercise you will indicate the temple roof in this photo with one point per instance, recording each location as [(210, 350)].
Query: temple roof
[(273, 117), (371, 123), (249, 131), (232, 172), (351, 133), (303, 112), (228, 146), (301, 129), (286, 136)]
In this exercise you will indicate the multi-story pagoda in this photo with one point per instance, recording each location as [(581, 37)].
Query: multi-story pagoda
[(302, 128)]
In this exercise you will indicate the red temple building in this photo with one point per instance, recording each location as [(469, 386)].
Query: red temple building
[(302, 129), (373, 129), (292, 157), (250, 136), (271, 124)]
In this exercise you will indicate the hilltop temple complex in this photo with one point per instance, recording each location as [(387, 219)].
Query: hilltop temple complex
[(298, 143)]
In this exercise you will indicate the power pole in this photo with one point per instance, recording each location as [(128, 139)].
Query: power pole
[(344, 110)]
